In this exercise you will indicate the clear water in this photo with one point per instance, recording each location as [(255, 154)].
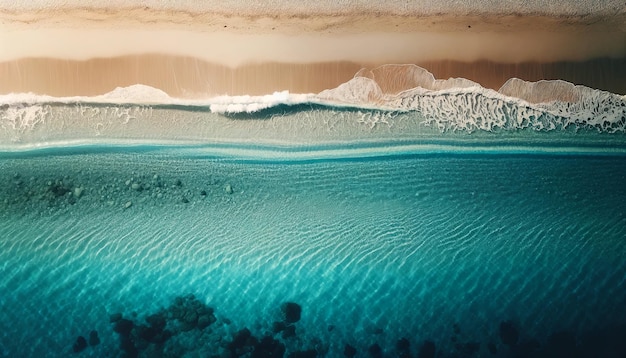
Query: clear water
[(439, 247)]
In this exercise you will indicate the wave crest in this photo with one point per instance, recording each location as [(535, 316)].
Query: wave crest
[(454, 104), (461, 104)]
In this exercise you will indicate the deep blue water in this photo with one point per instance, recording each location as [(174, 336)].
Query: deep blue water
[(439, 247)]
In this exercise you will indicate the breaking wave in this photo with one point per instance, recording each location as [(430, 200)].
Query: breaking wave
[(400, 96), (461, 104)]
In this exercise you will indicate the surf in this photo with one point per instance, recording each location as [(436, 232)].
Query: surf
[(392, 104)]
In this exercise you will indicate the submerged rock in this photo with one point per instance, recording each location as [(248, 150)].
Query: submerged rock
[(58, 189), (228, 189), (190, 313), (80, 344), (123, 327), (146, 333), (190, 317), (268, 347), (243, 342), (78, 192), (291, 312), (205, 320)]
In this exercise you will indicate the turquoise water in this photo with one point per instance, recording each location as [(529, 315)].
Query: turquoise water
[(440, 247)]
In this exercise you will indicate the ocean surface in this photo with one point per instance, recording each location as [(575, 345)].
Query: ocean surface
[(444, 220)]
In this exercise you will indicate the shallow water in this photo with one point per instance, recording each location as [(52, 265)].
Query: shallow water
[(373, 249)]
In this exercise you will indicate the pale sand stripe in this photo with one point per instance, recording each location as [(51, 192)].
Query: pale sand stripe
[(192, 78), (234, 49)]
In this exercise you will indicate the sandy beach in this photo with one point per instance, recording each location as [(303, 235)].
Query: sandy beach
[(67, 51)]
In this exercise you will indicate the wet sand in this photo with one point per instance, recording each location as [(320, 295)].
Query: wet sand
[(187, 77)]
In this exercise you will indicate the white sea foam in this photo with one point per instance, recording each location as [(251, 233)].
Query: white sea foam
[(19, 118), (460, 104), (249, 104), (452, 104), (145, 95)]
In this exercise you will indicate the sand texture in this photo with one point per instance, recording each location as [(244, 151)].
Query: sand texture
[(193, 49), (300, 8)]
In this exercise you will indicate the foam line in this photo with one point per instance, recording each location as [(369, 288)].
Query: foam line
[(388, 101)]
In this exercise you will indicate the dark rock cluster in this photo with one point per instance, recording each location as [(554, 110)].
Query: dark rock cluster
[(188, 314), (80, 344), (290, 313), (40, 192), (153, 336), (185, 314), (244, 343), (58, 191)]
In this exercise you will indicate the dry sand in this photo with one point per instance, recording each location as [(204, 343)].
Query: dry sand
[(89, 51)]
